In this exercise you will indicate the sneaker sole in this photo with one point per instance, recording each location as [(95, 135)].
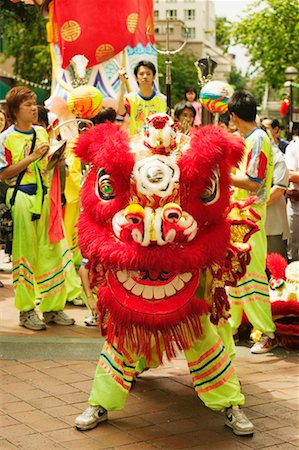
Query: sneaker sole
[(33, 328), (104, 418), (238, 432), (261, 351), (60, 323)]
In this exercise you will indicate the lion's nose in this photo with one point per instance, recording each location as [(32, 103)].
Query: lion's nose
[(171, 213), (134, 214), (154, 174)]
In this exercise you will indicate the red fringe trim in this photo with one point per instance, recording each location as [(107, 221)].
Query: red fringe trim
[(141, 333)]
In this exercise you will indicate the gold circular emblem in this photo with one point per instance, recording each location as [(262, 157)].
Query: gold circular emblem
[(104, 52), (132, 22), (70, 31)]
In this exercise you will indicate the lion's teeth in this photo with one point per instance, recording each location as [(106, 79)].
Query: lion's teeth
[(122, 275), (129, 284), (169, 290), (159, 292), (148, 292), (137, 289), (185, 276), (178, 283)]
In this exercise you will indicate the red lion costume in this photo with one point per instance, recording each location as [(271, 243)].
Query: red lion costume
[(155, 220)]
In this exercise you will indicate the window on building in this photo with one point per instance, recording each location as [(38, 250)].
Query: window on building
[(189, 14), (170, 30), (171, 13), (157, 30), (156, 14), (191, 33)]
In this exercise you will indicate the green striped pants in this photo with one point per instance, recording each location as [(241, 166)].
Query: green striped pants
[(251, 294), (35, 260), (214, 378)]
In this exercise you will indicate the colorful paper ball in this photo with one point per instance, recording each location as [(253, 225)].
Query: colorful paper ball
[(85, 101), (214, 96)]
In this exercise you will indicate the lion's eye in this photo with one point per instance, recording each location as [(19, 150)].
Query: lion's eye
[(104, 188), (212, 191)]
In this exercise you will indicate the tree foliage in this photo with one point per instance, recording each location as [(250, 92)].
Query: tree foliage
[(223, 33), (236, 79), (270, 33), (183, 74), (23, 31)]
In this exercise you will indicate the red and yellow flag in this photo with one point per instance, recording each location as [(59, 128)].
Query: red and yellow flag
[(99, 29)]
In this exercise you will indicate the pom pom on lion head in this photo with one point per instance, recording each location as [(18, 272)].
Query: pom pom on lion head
[(154, 215)]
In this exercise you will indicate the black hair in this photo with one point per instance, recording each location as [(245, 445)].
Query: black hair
[(243, 104), (179, 108), (147, 64), (106, 114), (224, 118), (295, 129), (42, 115), (275, 123), (190, 89)]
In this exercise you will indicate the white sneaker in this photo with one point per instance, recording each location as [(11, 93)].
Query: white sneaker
[(237, 420), (30, 320), (58, 317), (264, 345), (91, 321), (78, 302), (91, 417)]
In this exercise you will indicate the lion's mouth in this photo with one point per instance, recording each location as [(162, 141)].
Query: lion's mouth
[(152, 285)]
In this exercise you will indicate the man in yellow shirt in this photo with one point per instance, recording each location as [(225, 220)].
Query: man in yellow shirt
[(139, 105)]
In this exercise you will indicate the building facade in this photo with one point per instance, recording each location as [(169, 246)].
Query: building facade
[(197, 18)]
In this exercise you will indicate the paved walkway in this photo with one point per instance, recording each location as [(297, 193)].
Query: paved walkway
[(46, 377)]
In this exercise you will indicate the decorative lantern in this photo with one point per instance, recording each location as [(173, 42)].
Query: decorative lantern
[(215, 95), (85, 101)]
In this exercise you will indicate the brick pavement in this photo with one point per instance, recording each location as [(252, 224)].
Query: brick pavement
[(40, 398)]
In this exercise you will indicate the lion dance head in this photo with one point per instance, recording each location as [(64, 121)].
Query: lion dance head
[(154, 216)]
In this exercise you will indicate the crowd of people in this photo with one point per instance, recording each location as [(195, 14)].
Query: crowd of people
[(44, 249)]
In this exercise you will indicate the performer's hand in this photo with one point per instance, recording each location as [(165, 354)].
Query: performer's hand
[(39, 151), (123, 76), (61, 161)]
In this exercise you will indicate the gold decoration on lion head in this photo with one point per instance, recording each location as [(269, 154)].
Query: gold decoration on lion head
[(132, 22), (104, 51), (70, 30)]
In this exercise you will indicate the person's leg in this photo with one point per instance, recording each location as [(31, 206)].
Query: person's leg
[(71, 216), (49, 273), (236, 308), (72, 280), (253, 291), (293, 242), (24, 252), (24, 261), (111, 385), (215, 380), (224, 330)]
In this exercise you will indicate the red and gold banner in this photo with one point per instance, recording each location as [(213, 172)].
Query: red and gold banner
[(99, 29)]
